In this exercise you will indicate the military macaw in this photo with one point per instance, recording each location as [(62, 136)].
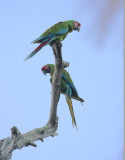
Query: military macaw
[(58, 31), (67, 88)]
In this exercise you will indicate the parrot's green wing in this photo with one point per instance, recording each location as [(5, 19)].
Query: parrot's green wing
[(54, 31), (66, 80), (66, 77)]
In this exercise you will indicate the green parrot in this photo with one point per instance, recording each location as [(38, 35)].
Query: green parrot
[(67, 88), (58, 31)]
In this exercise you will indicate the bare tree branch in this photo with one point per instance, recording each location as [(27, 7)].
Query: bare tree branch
[(18, 140)]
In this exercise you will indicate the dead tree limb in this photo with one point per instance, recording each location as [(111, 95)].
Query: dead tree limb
[(18, 140)]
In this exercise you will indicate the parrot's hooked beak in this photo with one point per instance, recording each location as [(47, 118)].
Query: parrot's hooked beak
[(44, 72), (78, 28)]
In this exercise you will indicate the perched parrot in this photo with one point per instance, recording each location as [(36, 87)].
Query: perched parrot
[(67, 88), (58, 31)]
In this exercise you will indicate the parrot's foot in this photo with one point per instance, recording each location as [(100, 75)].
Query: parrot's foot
[(59, 44), (65, 64)]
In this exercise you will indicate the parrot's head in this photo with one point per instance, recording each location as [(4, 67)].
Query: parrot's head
[(48, 68), (73, 25), (45, 69), (77, 26)]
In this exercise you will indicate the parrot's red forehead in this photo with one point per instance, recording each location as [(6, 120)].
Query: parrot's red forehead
[(44, 67), (79, 24)]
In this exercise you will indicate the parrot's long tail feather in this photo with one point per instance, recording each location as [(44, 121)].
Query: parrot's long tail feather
[(78, 98), (69, 102), (37, 49)]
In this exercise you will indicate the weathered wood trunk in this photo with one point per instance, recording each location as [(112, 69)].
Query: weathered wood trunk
[(18, 140)]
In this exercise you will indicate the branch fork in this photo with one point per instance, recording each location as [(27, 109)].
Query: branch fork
[(18, 140)]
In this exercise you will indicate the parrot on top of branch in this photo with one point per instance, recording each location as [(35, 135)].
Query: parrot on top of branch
[(58, 31), (67, 88)]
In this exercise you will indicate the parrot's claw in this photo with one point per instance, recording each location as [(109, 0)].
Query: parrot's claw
[(59, 44)]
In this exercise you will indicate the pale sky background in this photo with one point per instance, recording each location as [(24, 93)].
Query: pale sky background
[(96, 67)]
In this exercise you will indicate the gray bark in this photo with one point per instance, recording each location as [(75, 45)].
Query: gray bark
[(18, 140)]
